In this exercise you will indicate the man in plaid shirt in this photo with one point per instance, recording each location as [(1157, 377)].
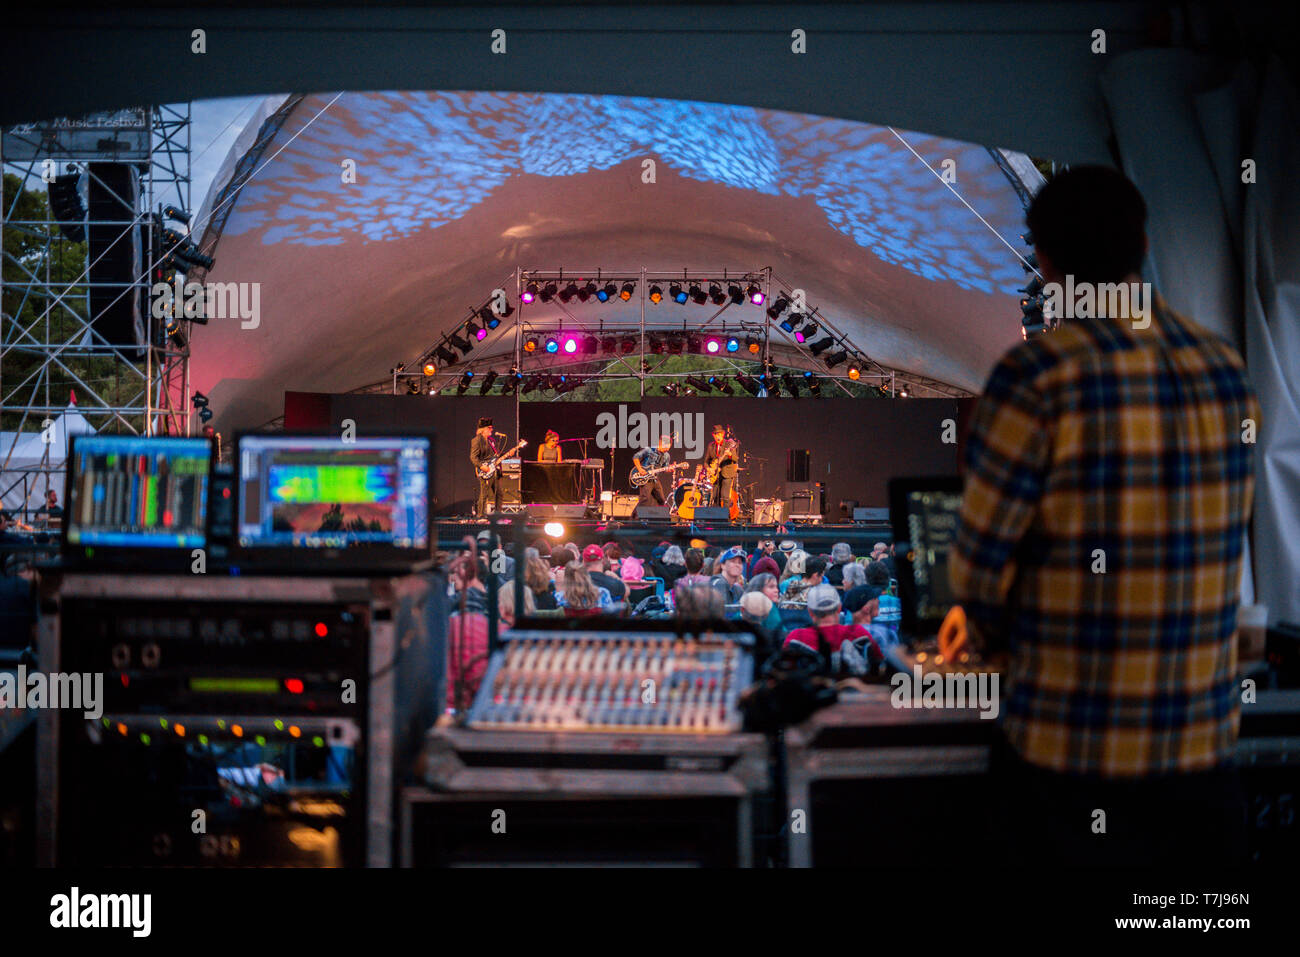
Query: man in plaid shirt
[(1108, 484)]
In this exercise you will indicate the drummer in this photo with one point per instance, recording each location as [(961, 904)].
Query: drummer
[(549, 450)]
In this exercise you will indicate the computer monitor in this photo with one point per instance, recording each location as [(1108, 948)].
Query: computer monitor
[(320, 503), (135, 502), (923, 513)]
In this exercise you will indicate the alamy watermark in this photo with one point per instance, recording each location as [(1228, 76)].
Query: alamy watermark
[(78, 692), (639, 430), (208, 300), (1087, 300), (970, 689), (77, 910)]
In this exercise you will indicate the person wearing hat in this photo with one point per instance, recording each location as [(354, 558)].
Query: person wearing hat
[(593, 556), (730, 580), (765, 549), (863, 607), (824, 610), (483, 448)]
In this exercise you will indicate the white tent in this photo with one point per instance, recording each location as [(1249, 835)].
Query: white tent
[(30, 462)]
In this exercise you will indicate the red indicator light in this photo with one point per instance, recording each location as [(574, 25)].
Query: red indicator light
[(294, 685), (225, 493), (321, 630), (126, 681)]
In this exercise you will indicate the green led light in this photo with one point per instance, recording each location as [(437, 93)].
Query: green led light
[(162, 723), (144, 738), (279, 725), (203, 740), (318, 741), (221, 723), (234, 685), (261, 740), (106, 722)]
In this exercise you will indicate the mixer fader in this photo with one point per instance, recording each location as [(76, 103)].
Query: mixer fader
[(614, 681)]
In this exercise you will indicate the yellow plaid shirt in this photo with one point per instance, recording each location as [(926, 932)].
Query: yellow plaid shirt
[(1108, 484)]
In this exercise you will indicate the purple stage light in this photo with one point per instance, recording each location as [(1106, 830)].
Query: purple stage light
[(712, 346), (571, 345)]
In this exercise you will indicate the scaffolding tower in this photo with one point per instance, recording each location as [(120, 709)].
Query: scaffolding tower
[(54, 353)]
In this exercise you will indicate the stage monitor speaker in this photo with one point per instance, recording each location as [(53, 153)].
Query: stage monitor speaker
[(653, 513), (544, 513), (705, 513), (798, 465), (114, 254), (874, 515)]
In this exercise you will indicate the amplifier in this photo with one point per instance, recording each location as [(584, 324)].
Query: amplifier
[(619, 506), (245, 721)]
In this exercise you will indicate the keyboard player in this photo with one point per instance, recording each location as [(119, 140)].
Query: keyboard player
[(549, 450)]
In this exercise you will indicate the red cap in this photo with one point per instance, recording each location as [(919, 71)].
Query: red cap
[(592, 553)]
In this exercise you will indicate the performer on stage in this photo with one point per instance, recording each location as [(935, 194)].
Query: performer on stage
[(722, 457), (652, 491), (483, 448), (550, 451)]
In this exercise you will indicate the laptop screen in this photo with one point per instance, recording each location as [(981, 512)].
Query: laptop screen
[(319, 493), (128, 492), (923, 512)]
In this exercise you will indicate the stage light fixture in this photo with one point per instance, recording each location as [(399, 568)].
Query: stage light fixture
[(489, 381), (465, 380), (733, 344), (570, 345), (722, 385), (835, 358), (589, 345), (806, 332), (552, 346), (413, 387), (549, 291), (772, 384), (461, 343), (821, 345), (779, 305), (626, 292), (698, 295), (748, 384), (755, 294), (656, 295), (671, 389), (712, 346), (1033, 287), (607, 292), (490, 319), (1030, 264), (529, 294), (446, 355), (736, 294), (716, 295), (430, 368), (553, 530), (791, 385), (902, 391), (627, 346), (530, 384), (790, 321), (569, 291), (755, 346), (530, 344), (608, 345), (658, 346), (855, 373), (699, 385), (815, 388), (587, 291), (678, 293), (475, 331)]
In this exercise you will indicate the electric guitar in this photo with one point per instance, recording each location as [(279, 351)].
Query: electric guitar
[(488, 468), (639, 478)]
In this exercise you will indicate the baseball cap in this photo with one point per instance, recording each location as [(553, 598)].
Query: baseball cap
[(735, 551), (858, 598), (822, 600), (593, 553)]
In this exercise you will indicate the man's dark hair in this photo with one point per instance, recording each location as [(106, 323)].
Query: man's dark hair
[(878, 574), (815, 566), (694, 560), (1091, 222), (561, 557)]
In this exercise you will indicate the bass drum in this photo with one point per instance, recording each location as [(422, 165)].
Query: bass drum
[(768, 511), (686, 497)]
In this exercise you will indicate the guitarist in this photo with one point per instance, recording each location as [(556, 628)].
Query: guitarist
[(483, 448), (722, 458), (652, 492)]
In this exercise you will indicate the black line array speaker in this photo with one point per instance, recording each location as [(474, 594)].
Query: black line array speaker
[(798, 465), (65, 203), (114, 253)]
